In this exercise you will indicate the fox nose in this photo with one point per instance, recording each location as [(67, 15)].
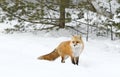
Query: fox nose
[(75, 45)]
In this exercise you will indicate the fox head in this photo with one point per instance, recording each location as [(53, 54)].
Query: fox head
[(76, 41)]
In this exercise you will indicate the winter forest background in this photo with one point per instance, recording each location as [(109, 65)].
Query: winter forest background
[(30, 28), (86, 17)]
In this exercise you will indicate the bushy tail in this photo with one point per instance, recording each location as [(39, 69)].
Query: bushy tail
[(51, 56)]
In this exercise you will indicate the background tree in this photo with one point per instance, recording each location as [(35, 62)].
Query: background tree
[(54, 14), (37, 12)]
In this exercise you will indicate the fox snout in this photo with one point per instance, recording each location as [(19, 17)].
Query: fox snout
[(74, 45)]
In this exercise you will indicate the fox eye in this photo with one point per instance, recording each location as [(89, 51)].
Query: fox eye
[(73, 41), (77, 41)]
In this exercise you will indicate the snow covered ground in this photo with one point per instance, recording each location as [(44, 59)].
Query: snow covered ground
[(19, 52)]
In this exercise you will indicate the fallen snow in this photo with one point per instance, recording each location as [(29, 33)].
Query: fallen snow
[(19, 52)]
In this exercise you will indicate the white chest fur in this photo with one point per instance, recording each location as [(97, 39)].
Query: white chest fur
[(76, 50)]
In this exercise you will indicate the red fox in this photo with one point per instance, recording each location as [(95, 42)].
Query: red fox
[(65, 49)]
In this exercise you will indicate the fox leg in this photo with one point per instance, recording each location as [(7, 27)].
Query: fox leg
[(62, 59), (77, 60), (73, 60)]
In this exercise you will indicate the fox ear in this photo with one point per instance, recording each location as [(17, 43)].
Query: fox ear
[(73, 35), (80, 36)]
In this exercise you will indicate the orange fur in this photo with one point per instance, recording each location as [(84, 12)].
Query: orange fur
[(51, 56), (65, 49)]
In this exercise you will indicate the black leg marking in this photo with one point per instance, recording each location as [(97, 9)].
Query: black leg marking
[(62, 60), (73, 60), (77, 60)]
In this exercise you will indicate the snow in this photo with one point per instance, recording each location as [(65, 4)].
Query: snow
[(7, 24), (105, 3), (118, 31), (115, 19), (19, 52)]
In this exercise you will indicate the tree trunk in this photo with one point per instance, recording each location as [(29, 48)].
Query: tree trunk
[(111, 18), (62, 14), (87, 27), (107, 31), (111, 33)]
